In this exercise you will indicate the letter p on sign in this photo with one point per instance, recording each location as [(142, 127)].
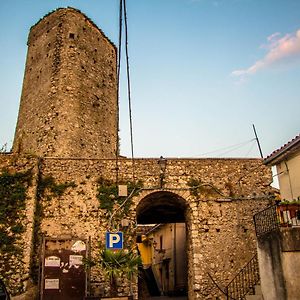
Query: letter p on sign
[(114, 240)]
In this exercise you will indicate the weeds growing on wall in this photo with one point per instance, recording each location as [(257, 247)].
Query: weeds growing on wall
[(108, 197), (47, 189), (199, 188), (55, 189), (13, 189)]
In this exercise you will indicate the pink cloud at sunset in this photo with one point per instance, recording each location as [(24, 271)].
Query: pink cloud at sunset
[(279, 49)]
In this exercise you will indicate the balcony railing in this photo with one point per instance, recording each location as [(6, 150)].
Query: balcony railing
[(266, 221), (276, 216)]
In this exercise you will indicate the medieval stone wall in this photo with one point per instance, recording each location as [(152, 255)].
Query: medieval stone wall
[(220, 228), (221, 236), (69, 98), (18, 189)]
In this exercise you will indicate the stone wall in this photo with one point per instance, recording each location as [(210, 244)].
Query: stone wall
[(220, 231), (69, 98), (17, 216)]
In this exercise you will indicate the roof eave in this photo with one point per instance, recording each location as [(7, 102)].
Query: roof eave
[(280, 155)]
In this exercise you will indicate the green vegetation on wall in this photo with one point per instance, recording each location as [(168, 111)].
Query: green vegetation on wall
[(13, 189), (199, 188), (47, 188), (54, 189), (107, 194)]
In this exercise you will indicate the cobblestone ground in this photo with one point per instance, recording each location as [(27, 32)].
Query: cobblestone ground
[(167, 298)]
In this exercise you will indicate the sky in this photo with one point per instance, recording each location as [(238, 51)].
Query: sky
[(202, 72)]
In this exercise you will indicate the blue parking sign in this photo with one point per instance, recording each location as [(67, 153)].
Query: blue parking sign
[(114, 240)]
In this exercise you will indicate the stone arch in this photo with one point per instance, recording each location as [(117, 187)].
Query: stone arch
[(165, 207), (161, 207)]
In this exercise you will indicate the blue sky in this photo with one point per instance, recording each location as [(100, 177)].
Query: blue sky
[(202, 72)]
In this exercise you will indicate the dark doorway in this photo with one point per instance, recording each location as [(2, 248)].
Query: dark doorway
[(161, 207)]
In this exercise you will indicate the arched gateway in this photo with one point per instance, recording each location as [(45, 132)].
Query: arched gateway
[(161, 206), (163, 243)]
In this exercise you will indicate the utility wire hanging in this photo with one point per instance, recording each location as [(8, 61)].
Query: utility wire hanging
[(118, 89), (228, 148), (123, 10)]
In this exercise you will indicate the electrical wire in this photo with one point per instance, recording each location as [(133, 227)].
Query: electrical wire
[(129, 89), (229, 148), (250, 149), (118, 89)]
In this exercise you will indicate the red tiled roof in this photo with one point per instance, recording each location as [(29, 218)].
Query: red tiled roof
[(281, 153)]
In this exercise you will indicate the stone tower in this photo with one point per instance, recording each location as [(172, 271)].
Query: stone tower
[(69, 105)]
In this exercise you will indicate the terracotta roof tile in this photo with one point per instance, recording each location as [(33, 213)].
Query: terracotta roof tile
[(283, 151)]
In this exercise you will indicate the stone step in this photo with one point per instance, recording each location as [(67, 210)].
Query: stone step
[(254, 297), (258, 290)]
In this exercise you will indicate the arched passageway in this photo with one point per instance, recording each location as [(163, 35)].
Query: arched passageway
[(161, 218), (160, 208)]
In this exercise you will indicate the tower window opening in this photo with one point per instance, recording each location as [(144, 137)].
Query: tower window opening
[(72, 36)]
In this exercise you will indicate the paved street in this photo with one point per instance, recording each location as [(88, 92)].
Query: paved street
[(167, 298)]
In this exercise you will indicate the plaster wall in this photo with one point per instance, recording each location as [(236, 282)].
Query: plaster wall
[(279, 263), (289, 174), (170, 240), (291, 267)]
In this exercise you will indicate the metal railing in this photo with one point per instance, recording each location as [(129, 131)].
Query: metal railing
[(276, 216), (266, 221), (244, 281)]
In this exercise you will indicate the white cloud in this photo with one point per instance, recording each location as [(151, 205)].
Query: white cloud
[(279, 49)]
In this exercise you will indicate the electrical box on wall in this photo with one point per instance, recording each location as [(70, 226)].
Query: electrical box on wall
[(122, 191)]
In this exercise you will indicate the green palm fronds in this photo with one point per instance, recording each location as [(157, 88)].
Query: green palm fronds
[(115, 264)]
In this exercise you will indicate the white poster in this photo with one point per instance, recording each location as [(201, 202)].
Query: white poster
[(76, 260), (51, 284), (52, 261)]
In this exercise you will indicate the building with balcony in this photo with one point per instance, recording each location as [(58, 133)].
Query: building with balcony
[(287, 162), (278, 229)]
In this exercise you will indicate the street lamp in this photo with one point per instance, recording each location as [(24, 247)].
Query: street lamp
[(163, 165)]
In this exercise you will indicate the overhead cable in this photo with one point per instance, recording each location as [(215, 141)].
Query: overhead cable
[(129, 89), (229, 148), (118, 90)]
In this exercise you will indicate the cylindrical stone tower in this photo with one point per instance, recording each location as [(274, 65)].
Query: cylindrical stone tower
[(69, 105)]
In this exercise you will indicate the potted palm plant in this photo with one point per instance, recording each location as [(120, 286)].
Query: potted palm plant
[(116, 264)]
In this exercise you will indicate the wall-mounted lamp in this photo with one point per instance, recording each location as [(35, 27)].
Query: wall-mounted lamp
[(162, 172)]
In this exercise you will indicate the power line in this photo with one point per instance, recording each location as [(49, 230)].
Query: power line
[(118, 90), (229, 148), (129, 89), (250, 149)]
